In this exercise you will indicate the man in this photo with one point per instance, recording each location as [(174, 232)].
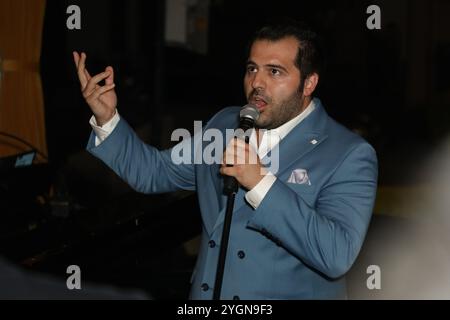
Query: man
[(295, 232)]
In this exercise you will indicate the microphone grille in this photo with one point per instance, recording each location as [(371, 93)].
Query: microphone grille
[(249, 111)]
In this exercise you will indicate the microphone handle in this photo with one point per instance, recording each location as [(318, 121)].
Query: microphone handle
[(230, 184)]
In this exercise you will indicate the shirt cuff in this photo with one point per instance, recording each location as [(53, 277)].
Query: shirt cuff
[(255, 196), (102, 132)]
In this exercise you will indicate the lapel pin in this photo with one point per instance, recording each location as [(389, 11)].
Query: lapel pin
[(313, 141)]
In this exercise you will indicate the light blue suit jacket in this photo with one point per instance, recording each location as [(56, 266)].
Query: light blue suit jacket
[(301, 239)]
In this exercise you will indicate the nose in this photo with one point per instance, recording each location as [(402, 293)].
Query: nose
[(257, 81)]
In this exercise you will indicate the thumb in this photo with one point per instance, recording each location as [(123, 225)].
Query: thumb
[(110, 79)]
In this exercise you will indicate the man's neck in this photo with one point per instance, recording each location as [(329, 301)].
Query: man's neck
[(306, 103)]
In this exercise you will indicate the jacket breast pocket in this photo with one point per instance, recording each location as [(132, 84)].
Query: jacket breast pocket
[(305, 191), (301, 188)]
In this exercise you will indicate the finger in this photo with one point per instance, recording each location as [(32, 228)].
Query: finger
[(76, 58), (235, 152), (246, 146), (110, 79), (80, 69), (229, 155), (241, 153), (246, 152), (88, 77), (239, 142), (86, 73), (227, 171), (101, 90), (82, 62), (233, 171), (241, 157), (227, 158), (91, 84), (231, 143), (252, 154), (235, 158)]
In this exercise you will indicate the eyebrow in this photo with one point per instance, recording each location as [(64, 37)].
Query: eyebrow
[(276, 66)]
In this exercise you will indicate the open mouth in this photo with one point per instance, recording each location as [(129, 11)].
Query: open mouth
[(258, 102)]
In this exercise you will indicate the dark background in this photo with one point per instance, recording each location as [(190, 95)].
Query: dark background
[(389, 85)]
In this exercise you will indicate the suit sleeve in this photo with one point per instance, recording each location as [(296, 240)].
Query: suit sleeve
[(328, 235), (145, 168)]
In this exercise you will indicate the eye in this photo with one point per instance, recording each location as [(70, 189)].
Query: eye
[(275, 72), (251, 69)]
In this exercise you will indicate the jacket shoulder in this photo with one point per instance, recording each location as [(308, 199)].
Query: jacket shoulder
[(226, 116), (344, 137)]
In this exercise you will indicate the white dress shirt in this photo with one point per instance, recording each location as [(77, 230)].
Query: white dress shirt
[(270, 139), (102, 132)]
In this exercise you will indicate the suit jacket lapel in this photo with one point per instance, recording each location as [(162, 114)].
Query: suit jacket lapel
[(303, 139)]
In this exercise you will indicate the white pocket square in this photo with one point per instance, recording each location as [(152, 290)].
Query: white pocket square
[(299, 176)]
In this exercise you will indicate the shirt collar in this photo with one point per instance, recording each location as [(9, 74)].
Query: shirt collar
[(272, 138)]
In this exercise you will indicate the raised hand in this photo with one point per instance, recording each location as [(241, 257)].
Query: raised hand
[(101, 99)]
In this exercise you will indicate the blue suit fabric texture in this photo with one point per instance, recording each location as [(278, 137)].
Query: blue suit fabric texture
[(302, 238)]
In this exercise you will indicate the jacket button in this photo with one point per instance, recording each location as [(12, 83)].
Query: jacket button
[(212, 244), (205, 287), (236, 298), (241, 254)]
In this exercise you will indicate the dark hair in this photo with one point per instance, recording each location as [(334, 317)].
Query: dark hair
[(309, 57)]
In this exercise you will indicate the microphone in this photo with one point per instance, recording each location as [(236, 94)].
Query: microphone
[(248, 115)]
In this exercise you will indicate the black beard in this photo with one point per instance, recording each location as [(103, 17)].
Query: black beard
[(289, 109)]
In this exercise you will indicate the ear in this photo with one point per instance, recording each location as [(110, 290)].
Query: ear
[(310, 84)]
